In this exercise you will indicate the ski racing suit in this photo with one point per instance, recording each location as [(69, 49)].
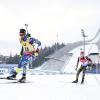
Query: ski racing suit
[(28, 52), (85, 61)]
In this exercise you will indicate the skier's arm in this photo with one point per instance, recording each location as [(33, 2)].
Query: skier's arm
[(90, 63), (21, 52), (77, 63), (33, 40), (39, 46), (36, 44)]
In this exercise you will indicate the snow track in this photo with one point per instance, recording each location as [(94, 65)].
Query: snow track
[(52, 87)]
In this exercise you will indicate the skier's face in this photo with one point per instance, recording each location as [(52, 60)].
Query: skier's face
[(21, 35), (81, 55)]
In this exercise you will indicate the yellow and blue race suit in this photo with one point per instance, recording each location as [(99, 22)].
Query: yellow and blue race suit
[(28, 52)]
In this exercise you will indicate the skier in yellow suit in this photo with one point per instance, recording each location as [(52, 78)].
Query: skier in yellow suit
[(28, 51)]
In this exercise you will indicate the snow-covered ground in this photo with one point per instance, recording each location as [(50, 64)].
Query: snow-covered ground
[(52, 87)]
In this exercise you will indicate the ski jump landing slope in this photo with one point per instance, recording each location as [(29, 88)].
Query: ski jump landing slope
[(51, 87), (57, 60)]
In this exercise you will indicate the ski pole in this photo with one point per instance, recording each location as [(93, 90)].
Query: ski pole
[(26, 25)]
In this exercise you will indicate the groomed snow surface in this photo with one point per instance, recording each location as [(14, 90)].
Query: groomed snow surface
[(52, 87)]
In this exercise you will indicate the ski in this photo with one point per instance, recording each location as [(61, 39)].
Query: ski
[(20, 82), (78, 83), (14, 82), (7, 79)]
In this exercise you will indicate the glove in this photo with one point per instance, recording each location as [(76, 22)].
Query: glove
[(29, 35), (20, 56), (36, 54), (37, 50)]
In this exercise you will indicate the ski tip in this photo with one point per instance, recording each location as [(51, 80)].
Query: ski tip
[(20, 82), (7, 78), (3, 78)]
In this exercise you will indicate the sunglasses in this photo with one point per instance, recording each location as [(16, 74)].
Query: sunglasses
[(21, 34)]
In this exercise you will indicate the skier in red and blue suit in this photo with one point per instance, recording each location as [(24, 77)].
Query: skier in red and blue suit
[(85, 61)]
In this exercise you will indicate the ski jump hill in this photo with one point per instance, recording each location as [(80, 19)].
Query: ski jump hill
[(64, 60)]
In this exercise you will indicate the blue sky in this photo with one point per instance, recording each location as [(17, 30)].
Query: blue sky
[(46, 19)]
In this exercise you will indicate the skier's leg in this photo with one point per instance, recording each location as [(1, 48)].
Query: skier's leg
[(11, 77), (24, 64), (16, 71), (83, 76), (77, 75)]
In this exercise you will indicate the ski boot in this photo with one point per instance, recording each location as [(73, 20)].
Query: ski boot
[(75, 81), (13, 76), (22, 80), (82, 81)]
